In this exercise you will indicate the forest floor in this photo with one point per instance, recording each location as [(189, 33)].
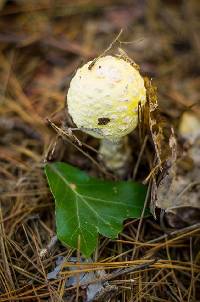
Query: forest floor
[(42, 43)]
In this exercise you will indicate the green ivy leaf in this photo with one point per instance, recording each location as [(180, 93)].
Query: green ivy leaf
[(86, 206)]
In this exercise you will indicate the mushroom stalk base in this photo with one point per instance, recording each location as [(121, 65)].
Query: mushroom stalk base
[(116, 155)]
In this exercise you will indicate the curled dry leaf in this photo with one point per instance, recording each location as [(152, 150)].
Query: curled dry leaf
[(164, 142), (160, 129), (162, 184), (175, 181), (178, 192)]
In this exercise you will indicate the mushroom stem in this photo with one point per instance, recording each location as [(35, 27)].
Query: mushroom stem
[(116, 155)]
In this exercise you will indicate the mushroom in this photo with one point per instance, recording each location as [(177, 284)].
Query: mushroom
[(103, 100)]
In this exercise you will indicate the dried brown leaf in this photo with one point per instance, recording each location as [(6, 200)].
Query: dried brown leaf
[(178, 193)]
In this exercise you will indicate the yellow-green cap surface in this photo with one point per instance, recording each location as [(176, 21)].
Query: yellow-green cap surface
[(103, 100)]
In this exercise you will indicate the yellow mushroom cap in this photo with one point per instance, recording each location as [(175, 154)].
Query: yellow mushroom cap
[(103, 101)]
